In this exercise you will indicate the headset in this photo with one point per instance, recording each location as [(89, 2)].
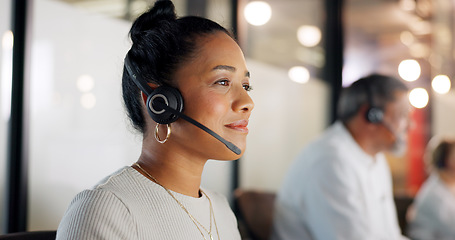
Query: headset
[(165, 105), (374, 114)]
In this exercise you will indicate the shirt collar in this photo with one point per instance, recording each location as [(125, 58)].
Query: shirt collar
[(352, 144)]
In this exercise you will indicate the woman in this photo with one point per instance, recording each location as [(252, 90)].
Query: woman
[(159, 196), (434, 207)]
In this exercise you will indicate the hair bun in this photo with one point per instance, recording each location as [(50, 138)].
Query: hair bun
[(162, 11)]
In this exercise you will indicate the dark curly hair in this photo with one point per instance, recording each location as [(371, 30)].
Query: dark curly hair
[(161, 43)]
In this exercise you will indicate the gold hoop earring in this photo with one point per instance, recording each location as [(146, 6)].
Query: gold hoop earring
[(168, 130)]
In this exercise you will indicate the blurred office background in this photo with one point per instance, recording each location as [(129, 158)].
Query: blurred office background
[(300, 54)]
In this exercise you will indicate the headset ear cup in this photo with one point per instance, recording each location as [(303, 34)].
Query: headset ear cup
[(171, 97), (374, 115)]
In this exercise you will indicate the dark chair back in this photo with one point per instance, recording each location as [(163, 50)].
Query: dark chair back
[(403, 204), (37, 235), (255, 211)]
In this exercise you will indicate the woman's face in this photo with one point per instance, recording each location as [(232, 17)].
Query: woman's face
[(214, 85)]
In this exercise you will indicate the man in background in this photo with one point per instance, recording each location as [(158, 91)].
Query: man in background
[(340, 186)]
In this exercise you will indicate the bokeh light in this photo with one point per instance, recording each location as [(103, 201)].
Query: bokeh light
[(409, 70), (299, 74), (7, 40), (407, 38), (408, 5), (85, 83), (88, 100), (257, 13), (309, 36), (441, 84), (418, 97)]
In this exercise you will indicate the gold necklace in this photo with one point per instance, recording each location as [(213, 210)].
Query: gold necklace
[(195, 221)]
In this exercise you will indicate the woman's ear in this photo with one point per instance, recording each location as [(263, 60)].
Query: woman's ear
[(144, 96), (363, 111)]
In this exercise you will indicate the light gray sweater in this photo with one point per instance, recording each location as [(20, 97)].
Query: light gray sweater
[(127, 205)]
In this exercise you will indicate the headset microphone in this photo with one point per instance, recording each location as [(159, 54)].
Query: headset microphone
[(400, 144), (165, 105), (389, 128), (375, 115), (228, 144)]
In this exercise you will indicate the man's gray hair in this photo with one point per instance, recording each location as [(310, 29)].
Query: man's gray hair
[(375, 89)]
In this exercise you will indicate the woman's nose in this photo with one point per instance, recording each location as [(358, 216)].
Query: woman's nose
[(243, 101)]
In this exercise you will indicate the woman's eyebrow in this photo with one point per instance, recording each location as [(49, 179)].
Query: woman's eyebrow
[(225, 67), (230, 69)]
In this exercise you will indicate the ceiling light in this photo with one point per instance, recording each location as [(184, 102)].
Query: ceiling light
[(257, 13), (409, 70), (309, 36), (418, 97), (408, 5), (441, 84), (406, 38), (85, 83), (299, 74), (8, 40)]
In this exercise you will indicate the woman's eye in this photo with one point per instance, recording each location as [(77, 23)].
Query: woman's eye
[(223, 82), (247, 87)]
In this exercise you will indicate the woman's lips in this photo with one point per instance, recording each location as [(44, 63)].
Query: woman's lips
[(241, 125)]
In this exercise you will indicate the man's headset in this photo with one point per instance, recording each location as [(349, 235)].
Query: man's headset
[(165, 105), (374, 113)]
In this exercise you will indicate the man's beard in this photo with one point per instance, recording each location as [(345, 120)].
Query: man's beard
[(400, 145)]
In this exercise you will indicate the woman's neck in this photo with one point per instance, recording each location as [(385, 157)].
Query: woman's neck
[(173, 171)]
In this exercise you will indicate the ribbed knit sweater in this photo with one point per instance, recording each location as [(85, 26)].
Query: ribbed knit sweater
[(127, 205)]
